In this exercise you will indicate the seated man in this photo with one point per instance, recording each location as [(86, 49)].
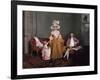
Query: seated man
[(72, 44)]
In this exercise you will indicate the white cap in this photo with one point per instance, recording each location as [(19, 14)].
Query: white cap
[(55, 24)]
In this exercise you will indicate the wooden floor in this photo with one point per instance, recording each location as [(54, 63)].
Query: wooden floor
[(80, 58)]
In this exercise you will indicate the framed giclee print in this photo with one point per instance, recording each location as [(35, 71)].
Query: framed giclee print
[(53, 39)]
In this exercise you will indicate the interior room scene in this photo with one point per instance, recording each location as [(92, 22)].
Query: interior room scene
[(55, 39)]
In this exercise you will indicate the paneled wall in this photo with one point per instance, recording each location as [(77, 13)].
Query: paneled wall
[(27, 28), (38, 24)]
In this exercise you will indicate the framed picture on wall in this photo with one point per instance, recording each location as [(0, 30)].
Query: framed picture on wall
[(53, 39), (85, 18)]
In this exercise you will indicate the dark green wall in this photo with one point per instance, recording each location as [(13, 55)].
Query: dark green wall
[(68, 22), (38, 23)]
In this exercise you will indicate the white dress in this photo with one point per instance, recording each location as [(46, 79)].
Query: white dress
[(46, 52)]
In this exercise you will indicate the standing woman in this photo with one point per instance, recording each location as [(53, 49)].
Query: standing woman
[(56, 41)]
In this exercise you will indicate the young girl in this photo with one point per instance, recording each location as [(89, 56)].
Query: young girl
[(46, 51)]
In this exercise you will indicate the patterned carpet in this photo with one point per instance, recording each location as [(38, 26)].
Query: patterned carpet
[(79, 58)]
